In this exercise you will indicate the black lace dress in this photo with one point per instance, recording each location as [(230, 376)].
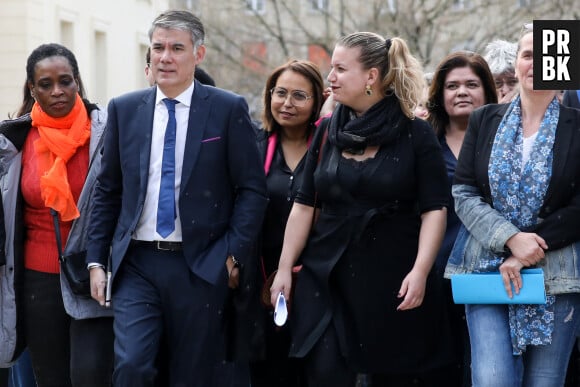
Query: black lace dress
[(361, 248)]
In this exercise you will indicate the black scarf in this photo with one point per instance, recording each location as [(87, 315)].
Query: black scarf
[(380, 125)]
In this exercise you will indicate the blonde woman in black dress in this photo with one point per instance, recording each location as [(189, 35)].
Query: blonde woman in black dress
[(365, 301)]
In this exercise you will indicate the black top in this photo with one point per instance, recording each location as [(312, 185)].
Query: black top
[(361, 248), (267, 340), (453, 222), (282, 184)]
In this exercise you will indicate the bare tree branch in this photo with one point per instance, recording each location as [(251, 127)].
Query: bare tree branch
[(432, 29)]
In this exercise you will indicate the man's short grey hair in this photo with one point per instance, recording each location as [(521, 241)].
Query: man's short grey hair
[(180, 20)]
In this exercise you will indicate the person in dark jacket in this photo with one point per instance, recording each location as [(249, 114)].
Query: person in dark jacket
[(178, 228), (516, 193), (293, 97), (49, 159)]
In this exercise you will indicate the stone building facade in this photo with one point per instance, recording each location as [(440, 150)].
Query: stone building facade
[(246, 39)]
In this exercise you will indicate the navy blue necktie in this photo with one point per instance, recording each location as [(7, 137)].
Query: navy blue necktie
[(166, 206)]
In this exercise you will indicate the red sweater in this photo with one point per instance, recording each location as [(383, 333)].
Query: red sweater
[(40, 251)]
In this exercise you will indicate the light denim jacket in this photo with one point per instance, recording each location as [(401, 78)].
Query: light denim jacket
[(561, 267), (485, 228)]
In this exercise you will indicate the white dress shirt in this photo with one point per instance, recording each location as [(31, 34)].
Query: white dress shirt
[(146, 227)]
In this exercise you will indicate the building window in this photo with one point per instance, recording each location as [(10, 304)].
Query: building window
[(67, 35), (388, 7), (99, 93), (185, 4), (257, 6), (319, 5), (461, 4)]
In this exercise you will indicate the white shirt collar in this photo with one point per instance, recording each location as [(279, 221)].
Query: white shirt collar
[(184, 98)]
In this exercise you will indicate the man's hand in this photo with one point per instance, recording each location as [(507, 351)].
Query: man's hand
[(233, 272), (98, 284)]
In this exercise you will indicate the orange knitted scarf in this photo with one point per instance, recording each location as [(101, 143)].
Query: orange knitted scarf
[(59, 140)]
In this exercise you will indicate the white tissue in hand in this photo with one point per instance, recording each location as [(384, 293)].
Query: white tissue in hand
[(280, 311)]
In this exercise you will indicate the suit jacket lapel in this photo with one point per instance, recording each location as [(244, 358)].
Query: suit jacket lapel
[(143, 129), (198, 116)]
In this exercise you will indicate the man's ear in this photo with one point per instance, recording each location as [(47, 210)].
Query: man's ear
[(199, 54)]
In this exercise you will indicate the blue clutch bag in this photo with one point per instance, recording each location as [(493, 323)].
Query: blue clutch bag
[(488, 288)]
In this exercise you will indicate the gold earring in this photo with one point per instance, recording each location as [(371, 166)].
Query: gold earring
[(368, 90)]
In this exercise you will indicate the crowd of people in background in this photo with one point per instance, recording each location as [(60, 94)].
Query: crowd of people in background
[(348, 207)]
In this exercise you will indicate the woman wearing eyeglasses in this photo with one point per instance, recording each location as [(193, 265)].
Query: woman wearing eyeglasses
[(292, 100), (500, 56), (365, 301), (517, 191)]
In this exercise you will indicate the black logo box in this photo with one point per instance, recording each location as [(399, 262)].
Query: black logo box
[(573, 62)]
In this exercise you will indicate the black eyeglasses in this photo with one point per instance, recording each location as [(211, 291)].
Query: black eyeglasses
[(298, 98), (511, 82)]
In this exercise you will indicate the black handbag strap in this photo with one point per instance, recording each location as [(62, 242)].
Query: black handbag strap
[(57, 233), (54, 213)]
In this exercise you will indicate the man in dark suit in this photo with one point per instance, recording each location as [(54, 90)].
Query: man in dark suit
[(174, 255)]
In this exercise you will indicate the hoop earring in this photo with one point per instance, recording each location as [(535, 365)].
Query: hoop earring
[(368, 90)]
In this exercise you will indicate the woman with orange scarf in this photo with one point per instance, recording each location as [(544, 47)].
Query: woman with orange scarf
[(49, 159)]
